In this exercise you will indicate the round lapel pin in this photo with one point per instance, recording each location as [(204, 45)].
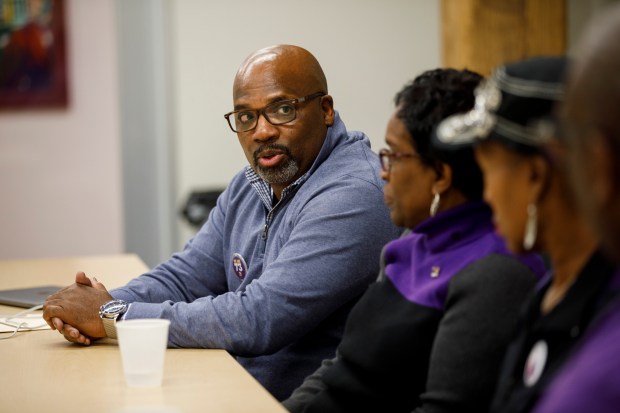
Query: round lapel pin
[(239, 266), (535, 363)]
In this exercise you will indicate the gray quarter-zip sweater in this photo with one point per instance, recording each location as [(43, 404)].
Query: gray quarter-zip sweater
[(273, 284)]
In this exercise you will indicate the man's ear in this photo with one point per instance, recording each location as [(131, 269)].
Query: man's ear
[(327, 105)]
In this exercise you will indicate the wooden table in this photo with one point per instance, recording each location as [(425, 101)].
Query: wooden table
[(41, 372)]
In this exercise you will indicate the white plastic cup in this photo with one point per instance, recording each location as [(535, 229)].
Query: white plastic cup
[(143, 344)]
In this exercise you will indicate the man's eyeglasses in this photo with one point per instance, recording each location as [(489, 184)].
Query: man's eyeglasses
[(386, 156), (277, 113)]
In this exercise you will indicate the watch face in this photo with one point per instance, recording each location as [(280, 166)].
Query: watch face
[(114, 307)]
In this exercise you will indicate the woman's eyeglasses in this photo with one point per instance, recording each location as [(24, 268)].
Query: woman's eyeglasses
[(387, 157)]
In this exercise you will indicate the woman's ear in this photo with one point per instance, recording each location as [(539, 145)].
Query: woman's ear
[(540, 176), (444, 178), (604, 171)]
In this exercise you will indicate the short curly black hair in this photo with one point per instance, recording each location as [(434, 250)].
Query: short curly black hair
[(425, 101)]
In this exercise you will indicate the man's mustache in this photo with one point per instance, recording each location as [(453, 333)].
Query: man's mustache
[(270, 149)]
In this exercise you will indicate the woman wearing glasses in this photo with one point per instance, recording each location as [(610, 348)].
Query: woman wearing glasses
[(430, 334)]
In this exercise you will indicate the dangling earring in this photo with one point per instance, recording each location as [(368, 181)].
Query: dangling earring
[(435, 204), (531, 227)]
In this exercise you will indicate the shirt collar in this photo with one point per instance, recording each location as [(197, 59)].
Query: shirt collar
[(264, 190), (449, 227)]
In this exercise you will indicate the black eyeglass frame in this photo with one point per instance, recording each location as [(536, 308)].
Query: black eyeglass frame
[(386, 156), (261, 111)]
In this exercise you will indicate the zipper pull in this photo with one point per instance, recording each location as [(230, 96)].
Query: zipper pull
[(265, 231)]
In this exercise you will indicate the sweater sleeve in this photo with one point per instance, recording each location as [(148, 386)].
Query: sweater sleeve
[(312, 385), (481, 313)]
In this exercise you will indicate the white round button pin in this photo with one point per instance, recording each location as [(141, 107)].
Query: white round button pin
[(535, 363)]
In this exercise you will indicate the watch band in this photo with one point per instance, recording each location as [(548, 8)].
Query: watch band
[(109, 325), (109, 313)]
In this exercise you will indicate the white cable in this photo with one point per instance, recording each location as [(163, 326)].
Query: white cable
[(23, 326)]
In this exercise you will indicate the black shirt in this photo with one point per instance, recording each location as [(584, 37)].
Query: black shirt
[(543, 342)]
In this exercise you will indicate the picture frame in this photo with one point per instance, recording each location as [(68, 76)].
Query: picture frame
[(33, 64)]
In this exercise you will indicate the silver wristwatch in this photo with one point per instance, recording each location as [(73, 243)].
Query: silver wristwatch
[(109, 312)]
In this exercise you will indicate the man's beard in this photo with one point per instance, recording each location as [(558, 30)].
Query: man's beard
[(281, 174)]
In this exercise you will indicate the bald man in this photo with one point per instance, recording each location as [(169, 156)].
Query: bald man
[(590, 378), (293, 241)]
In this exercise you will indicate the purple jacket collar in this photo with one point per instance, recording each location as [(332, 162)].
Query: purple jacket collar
[(421, 263)]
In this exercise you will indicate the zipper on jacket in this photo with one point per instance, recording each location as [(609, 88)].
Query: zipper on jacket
[(268, 220)]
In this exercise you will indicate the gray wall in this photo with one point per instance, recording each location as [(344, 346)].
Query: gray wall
[(146, 128)]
